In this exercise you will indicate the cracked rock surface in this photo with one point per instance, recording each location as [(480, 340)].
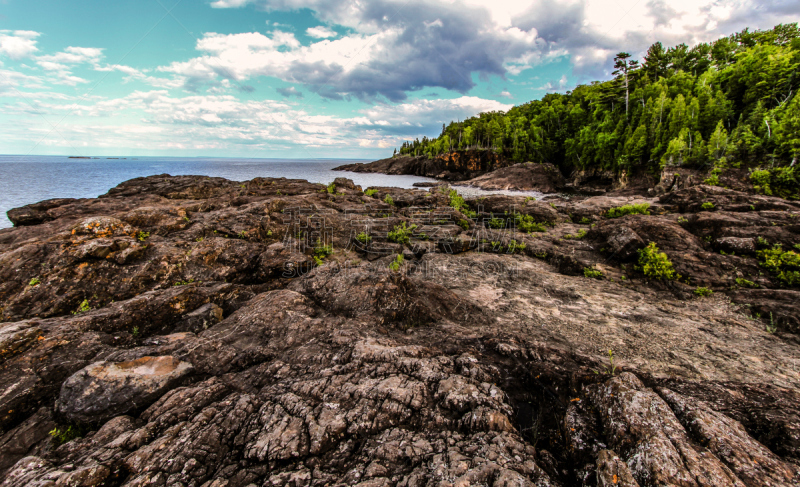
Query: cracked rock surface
[(178, 331)]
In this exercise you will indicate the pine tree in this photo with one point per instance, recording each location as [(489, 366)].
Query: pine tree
[(623, 69)]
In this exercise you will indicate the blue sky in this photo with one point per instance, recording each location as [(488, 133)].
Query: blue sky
[(310, 78)]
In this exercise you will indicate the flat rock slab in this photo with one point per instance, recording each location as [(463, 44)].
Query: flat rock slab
[(104, 390)]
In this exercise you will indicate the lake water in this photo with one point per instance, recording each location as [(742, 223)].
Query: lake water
[(28, 179)]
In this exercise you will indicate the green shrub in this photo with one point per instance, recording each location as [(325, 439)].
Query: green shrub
[(331, 188), (63, 435), (463, 224), (585, 221), (363, 237), (83, 307), (655, 264), (778, 181), (745, 283), (395, 265), (371, 192), (321, 251), (34, 282), (142, 236), (526, 223), (593, 273), (707, 205), (636, 209), (497, 223), (581, 233), (785, 265), (703, 291), (515, 246), (388, 200), (457, 201), (682, 220), (401, 234)]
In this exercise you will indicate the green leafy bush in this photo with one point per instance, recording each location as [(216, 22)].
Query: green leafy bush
[(363, 237), (515, 246), (83, 307), (497, 223), (34, 282), (526, 223), (371, 192), (635, 209), (703, 291), (331, 188), (741, 282), (142, 236), (778, 181), (463, 224), (401, 233), (593, 273), (395, 265), (707, 205), (655, 264), (785, 265), (388, 200), (63, 435), (457, 201)]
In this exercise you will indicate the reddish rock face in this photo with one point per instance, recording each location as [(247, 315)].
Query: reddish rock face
[(201, 332)]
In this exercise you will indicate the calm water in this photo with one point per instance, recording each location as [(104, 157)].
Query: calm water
[(28, 179)]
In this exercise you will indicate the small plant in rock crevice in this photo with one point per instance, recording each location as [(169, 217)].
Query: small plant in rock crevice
[(401, 233), (592, 273), (395, 265), (655, 264), (633, 209), (63, 435), (142, 236), (703, 291)]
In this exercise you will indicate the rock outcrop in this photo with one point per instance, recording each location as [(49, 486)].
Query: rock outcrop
[(201, 332)]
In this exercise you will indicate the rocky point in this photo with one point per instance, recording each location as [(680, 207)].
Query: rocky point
[(195, 331)]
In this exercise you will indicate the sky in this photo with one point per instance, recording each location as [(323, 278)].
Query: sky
[(311, 78)]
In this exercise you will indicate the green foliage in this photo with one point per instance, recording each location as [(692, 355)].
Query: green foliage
[(183, 283), (655, 264), (682, 220), (463, 224), (777, 181), (707, 205), (526, 223), (581, 233), (371, 192), (585, 221), (142, 236), (609, 369), (635, 209), (388, 200), (401, 233), (497, 223), (712, 105), (515, 246), (364, 238), (762, 242), (321, 251), (785, 265), (83, 307), (703, 291), (457, 202), (34, 282), (62, 435), (395, 265), (135, 331), (331, 188), (593, 273), (741, 282), (243, 235)]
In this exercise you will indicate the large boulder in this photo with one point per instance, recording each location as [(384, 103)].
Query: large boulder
[(544, 177), (103, 390)]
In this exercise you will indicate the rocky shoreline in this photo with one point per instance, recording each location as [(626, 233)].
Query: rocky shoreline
[(197, 331)]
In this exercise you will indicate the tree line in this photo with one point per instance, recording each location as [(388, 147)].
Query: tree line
[(713, 105)]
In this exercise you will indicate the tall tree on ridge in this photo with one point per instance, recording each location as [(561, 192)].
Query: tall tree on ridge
[(623, 68)]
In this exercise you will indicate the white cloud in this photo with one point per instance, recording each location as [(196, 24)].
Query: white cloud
[(320, 32), (18, 44)]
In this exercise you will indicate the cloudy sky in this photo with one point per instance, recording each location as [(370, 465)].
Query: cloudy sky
[(310, 78)]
